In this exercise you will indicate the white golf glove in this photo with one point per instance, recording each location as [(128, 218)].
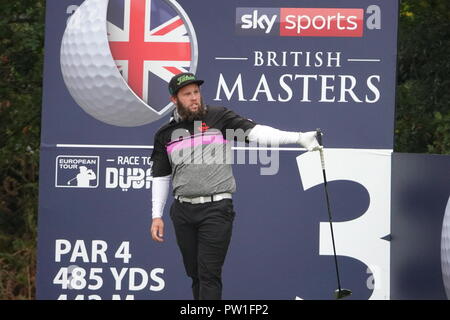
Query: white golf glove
[(309, 141), (270, 136)]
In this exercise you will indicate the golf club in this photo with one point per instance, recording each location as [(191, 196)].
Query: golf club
[(339, 293), (68, 182)]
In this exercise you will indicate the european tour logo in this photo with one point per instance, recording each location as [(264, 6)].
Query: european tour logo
[(306, 22), (76, 171)]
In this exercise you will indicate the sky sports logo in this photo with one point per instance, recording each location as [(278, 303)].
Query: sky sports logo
[(300, 22)]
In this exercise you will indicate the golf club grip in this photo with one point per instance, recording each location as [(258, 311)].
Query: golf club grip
[(319, 140), (322, 159), (319, 136)]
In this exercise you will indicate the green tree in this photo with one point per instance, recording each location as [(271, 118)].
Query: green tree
[(21, 55), (423, 113)]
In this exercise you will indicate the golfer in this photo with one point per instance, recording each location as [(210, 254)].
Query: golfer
[(186, 153)]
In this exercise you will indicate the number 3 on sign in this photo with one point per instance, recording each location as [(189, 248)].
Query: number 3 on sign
[(123, 252), (360, 238)]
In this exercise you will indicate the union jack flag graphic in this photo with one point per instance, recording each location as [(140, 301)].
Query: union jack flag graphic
[(150, 43)]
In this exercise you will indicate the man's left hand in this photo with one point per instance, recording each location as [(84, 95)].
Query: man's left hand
[(309, 141)]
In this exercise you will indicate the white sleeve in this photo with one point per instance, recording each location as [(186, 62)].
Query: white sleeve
[(270, 136), (160, 191)]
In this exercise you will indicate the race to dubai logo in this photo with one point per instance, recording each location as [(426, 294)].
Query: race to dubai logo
[(117, 57)]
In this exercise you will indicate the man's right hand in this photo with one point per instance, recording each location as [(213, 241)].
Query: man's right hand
[(157, 229)]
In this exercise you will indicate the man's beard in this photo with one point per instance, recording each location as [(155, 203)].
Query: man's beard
[(188, 115)]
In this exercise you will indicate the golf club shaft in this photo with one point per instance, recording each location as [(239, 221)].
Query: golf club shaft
[(330, 219)]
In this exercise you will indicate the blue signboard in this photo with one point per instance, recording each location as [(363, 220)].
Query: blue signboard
[(291, 65)]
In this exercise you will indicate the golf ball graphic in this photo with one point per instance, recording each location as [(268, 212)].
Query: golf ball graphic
[(445, 249), (107, 87)]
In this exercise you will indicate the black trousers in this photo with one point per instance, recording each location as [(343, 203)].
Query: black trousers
[(203, 233)]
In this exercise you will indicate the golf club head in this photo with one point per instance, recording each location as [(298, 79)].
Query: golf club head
[(342, 293)]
